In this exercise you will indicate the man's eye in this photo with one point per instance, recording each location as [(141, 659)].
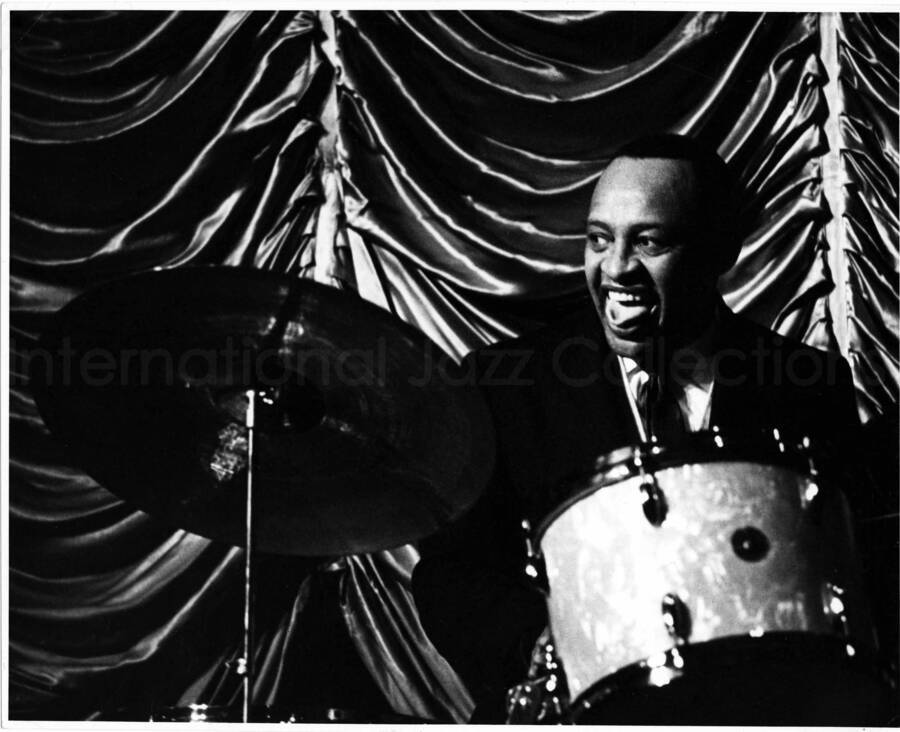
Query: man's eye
[(651, 245), (598, 241)]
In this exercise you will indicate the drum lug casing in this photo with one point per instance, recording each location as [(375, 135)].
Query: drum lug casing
[(655, 506), (676, 617)]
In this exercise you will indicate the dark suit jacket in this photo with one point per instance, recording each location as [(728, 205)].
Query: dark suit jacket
[(558, 402)]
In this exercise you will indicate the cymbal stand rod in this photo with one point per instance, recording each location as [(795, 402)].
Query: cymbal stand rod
[(247, 661), (270, 340)]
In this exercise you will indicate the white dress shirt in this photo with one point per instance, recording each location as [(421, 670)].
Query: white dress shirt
[(692, 382), (693, 389)]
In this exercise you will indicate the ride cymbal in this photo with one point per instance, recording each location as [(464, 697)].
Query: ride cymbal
[(367, 435)]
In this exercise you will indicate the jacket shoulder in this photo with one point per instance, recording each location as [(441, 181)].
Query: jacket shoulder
[(543, 346), (795, 361)]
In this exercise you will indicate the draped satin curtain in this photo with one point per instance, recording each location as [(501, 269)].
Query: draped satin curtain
[(438, 162), (868, 87)]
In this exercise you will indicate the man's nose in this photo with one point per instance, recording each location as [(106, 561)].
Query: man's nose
[(619, 261)]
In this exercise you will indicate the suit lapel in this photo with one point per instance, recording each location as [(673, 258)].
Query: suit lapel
[(592, 405), (736, 400)]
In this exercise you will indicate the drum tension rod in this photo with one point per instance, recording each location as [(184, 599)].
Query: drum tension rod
[(810, 496), (534, 561), (655, 505)]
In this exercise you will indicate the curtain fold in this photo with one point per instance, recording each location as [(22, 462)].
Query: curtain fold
[(139, 140), (440, 163), (868, 87), (473, 191)]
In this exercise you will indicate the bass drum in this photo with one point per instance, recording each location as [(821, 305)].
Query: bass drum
[(210, 713), (715, 583)]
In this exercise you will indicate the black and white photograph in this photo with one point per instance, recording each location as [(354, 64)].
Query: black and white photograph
[(450, 366)]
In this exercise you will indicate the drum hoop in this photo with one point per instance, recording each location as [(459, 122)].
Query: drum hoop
[(701, 447), (775, 644)]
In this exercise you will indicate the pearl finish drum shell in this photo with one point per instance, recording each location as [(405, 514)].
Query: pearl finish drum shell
[(609, 569)]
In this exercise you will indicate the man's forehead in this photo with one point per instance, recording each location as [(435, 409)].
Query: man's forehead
[(654, 181), (672, 173)]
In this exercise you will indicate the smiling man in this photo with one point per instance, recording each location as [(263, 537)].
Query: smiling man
[(660, 231), (656, 246), (656, 354)]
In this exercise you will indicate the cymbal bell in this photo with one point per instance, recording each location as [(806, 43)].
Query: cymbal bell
[(367, 436)]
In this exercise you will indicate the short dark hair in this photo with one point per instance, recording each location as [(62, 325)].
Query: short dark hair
[(718, 189)]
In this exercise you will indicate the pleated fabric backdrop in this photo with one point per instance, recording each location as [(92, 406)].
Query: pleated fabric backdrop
[(438, 162)]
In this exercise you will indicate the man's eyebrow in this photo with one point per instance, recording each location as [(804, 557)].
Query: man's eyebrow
[(634, 225)]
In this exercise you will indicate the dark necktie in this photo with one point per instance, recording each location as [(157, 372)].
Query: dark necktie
[(659, 408)]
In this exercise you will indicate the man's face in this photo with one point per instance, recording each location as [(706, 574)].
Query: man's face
[(648, 272)]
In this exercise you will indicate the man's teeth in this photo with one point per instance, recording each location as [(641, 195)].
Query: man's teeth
[(625, 297)]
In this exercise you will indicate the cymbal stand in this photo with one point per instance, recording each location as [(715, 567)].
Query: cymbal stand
[(245, 663), (268, 342)]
